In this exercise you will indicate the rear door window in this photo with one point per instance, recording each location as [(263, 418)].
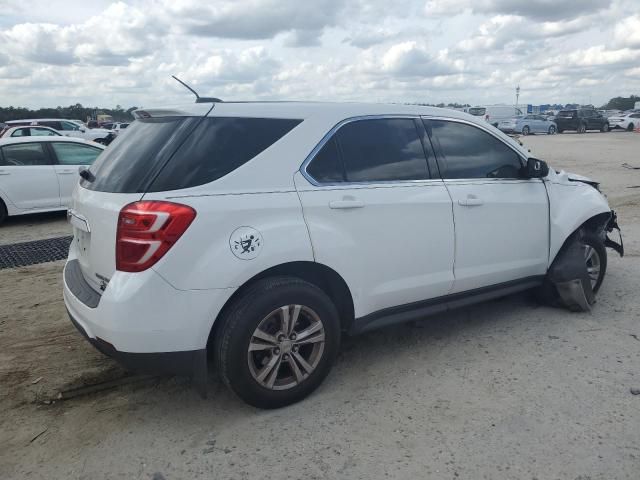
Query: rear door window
[(75, 154), (382, 150), (375, 150)]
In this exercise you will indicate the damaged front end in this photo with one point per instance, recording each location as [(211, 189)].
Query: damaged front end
[(571, 273)]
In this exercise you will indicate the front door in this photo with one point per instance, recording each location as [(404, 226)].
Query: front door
[(501, 219), (27, 177), (376, 216)]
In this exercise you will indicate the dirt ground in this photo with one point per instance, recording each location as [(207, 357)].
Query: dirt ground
[(506, 389)]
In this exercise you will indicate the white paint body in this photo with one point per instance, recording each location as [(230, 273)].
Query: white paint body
[(393, 243), (38, 188)]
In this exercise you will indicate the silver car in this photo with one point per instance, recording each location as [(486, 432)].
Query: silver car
[(528, 124)]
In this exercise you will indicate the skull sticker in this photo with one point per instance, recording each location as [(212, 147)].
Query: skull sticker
[(246, 243)]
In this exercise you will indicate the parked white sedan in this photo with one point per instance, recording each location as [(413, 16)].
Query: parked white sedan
[(625, 121), (38, 174)]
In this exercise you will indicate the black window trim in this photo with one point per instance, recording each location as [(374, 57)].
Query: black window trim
[(441, 162), (330, 134)]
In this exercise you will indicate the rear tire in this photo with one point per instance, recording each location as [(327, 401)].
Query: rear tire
[(582, 128), (254, 333), (630, 127), (605, 128), (3, 212)]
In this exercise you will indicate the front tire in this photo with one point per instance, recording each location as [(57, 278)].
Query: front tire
[(605, 128), (630, 127), (277, 341), (525, 130), (582, 128), (552, 130)]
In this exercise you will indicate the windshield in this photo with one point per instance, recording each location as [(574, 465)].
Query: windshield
[(477, 111)]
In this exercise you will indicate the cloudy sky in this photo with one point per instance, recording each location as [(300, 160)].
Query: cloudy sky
[(99, 52)]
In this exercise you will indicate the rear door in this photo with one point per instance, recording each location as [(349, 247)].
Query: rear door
[(376, 215), (27, 176), (68, 158), (501, 218)]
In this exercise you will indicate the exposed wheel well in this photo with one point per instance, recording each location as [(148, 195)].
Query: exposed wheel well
[(594, 224), (327, 279)]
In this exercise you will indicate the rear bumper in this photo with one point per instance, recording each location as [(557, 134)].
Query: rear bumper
[(191, 363), (140, 318)]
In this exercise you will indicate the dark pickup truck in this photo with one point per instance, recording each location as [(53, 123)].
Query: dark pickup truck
[(581, 120)]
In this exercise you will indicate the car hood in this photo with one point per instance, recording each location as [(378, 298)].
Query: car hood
[(568, 177)]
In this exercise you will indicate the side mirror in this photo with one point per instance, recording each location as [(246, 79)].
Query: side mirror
[(537, 168), (82, 129)]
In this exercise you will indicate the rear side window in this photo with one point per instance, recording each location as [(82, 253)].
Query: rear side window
[(24, 154), (566, 113), (376, 150), (75, 154), (170, 153), (218, 146), (470, 152), (51, 124)]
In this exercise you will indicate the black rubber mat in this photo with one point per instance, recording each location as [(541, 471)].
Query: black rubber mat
[(32, 253)]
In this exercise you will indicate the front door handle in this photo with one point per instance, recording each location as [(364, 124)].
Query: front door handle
[(346, 203), (66, 172), (470, 201)]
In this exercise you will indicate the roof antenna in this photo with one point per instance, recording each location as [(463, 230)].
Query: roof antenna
[(199, 99)]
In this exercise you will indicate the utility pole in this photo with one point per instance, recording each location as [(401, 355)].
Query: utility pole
[(517, 95)]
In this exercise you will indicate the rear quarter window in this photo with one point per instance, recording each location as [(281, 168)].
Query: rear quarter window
[(171, 153), (217, 146)]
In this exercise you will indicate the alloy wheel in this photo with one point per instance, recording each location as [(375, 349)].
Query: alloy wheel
[(286, 347), (592, 259)]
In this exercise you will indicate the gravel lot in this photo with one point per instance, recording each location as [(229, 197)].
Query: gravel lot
[(506, 389)]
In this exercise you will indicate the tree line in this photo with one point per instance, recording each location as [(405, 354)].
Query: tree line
[(72, 112), (621, 103)]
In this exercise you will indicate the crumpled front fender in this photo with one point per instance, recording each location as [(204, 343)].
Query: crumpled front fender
[(570, 205)]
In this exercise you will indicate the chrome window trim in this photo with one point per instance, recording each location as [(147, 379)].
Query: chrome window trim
[(329, 135), (337, 126)]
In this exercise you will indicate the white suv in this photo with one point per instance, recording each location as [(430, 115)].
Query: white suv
[(259, 232)]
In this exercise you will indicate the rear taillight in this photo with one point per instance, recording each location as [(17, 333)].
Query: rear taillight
[(147, 230)]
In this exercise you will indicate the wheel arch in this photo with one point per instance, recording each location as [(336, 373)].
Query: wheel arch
[(324, 277), (595, 224), (572, 206)]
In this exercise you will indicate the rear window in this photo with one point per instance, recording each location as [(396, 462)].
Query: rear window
[(171, 153), (478, 111), (566, 113)]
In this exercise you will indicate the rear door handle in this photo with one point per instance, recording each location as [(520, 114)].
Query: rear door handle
[(346, 203), (66, 172), (4, 172), (470, 201)]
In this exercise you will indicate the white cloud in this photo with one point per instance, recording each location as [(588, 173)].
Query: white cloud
[(124, 52)]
